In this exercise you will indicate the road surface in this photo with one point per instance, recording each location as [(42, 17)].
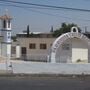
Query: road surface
[(28, 83)]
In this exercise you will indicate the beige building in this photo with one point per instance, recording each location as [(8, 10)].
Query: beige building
[(34, 48)]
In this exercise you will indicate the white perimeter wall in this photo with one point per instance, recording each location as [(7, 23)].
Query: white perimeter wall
[(79, 50), (2, 66), (50, 68)]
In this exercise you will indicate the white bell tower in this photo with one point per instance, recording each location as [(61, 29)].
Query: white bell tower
[(6, 35)]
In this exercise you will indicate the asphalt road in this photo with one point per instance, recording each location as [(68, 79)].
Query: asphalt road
[(26, 83)]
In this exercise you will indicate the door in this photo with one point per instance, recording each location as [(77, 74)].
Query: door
[(24, 53)]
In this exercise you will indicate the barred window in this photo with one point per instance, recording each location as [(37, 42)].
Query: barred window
[(32, 46), (4, 24), (43, 46)]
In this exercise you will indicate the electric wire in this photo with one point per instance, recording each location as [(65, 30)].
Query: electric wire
[(43, 5), (40, 12)]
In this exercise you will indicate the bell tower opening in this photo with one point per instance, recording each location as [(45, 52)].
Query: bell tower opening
[(6, 35), (4, 23)]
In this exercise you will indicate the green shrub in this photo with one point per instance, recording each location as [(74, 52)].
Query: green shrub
[(78, 60)]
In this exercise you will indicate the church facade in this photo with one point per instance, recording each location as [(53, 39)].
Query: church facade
[(71, 47)]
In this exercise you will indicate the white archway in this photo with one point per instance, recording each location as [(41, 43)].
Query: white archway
[(63, 38)]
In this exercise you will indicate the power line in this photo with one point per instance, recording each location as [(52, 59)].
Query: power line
[(45, 13), (26, 7), (49, 6), (34, 7)]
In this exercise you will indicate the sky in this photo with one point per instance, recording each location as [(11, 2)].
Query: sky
[(41, 20)]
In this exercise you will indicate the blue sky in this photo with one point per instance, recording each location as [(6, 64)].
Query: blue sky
[(41, 20)]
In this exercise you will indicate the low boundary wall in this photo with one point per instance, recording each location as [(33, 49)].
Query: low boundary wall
[(50, 68), (2, 66)]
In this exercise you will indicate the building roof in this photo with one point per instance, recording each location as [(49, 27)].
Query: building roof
[(87, 34), (35, 35)]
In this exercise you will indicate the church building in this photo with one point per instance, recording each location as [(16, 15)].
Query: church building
[(71, 47), (5, 36)]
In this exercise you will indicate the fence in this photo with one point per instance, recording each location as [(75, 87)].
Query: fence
[(33, 57), (46, 58), (64, 59)]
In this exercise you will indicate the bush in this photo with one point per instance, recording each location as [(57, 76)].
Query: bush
[(79, 60)]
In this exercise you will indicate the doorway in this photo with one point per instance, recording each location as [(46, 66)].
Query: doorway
[(23, 53)]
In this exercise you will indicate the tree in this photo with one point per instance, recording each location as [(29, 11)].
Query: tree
[(27, 30), (51, 29), (64, 29), (14, 38)]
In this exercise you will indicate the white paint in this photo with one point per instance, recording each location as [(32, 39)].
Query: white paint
[(6, 33), (53, 58), (18, 51), (60, 40), (50, 68), (4, 50), (6, 36), (81, 54), (9, 49), (74, 28), (79, 51), (0, 48), (2, 66)]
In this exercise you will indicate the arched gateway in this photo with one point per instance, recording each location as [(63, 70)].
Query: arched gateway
[(71, 47)]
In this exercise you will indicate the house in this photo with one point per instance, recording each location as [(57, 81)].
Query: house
[(36, 47)]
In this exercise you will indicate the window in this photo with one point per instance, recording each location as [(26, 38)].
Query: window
[(43, 46), (32, 46), (65, 46)]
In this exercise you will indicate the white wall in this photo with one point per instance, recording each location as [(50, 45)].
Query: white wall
[(21, 67), (18, 51), (2, 66), (0, 48), (4, 49), (50, 68), (79, 50)]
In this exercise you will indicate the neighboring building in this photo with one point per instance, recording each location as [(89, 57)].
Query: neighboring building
[(35, 47)]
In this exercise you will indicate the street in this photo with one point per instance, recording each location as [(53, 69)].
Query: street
[(28, 83)]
